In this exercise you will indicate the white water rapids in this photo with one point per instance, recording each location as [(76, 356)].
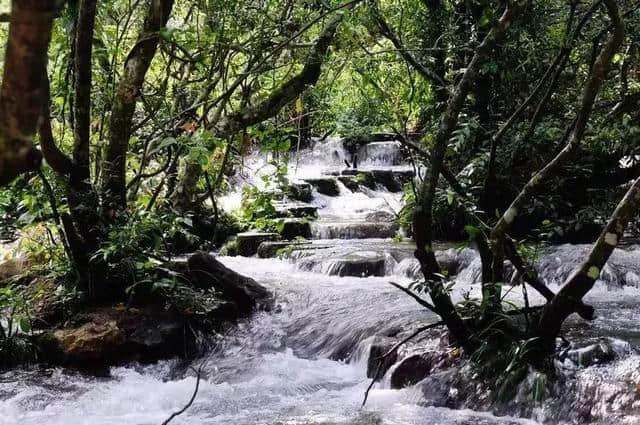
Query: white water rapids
[(305, 363), (273, 369)]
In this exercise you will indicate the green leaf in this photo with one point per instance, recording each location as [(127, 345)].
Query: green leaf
[(25, 324), (472, 231), (451, 196)]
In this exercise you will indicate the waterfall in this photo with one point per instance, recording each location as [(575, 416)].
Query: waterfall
[(306, 361)]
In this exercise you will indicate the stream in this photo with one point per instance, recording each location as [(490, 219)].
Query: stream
[(305, 363)]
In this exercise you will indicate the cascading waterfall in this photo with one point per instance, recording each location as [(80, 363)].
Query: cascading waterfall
[(305, 362)]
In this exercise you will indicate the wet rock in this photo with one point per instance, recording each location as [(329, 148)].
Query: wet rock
[(90, 343), (230, 249), (379, 347), (358, 264), (272, 249), (356, 180), (349, 172), (381, 217), (159, 339), (387, 178), (404, 176), (206, 272), (605, 351), (350, 183), (300, 191), (325, 186), (291, 228), (357, 230), (115, 335), (410, 371), (249, 242), (296, 210)]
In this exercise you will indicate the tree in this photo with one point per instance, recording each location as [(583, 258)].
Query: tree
[(22, 94)]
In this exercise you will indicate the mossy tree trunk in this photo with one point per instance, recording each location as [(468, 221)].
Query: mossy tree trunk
[(183, 196), (114, 186), (592, 87), (23, 93), (423, 216)]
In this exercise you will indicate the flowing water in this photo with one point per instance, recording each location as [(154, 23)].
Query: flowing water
[(305, 363)]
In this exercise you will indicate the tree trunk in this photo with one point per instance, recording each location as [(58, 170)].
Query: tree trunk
[(569, 299), (423, 216), (113, 187), (22, 94), (590, 92), (183, 195)]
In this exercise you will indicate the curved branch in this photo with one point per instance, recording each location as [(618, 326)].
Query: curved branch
[(56, 159)]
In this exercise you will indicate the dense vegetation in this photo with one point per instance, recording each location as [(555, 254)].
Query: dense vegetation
[(121, 123)]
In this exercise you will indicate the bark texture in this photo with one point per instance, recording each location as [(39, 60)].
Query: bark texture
[(569, 299), (590, 92), (113, 186), (22, 93), (423, 216), (183, 194)]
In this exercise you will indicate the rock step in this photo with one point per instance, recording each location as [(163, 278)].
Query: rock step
[(325, 185), (357, 264), (354, 230), (296, 210), (248, 242), (392, 180), (291, 228), (300, 191), (273, 249)]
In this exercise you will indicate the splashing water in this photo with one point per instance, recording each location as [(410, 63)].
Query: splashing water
[(305, 364)]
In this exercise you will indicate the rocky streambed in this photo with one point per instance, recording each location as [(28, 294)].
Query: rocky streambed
[(310, 358)]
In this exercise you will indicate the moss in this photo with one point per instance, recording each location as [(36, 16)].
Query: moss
[(230, 249)]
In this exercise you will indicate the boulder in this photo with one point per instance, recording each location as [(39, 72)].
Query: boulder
[(300, 191), (381, 217), (325, 186), (410, 371), (115, 335), (404, 176), (248, 242), (291, 228), (387, 178), (90, 343), (206, 272), (349, 172), (354, 179), (350, 183), (358, 264), (230, 249), (605, 351)]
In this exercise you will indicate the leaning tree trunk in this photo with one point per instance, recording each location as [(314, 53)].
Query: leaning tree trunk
[(569, 299), (182, 197), (423, 216), (22, 94), (590, 92), (113, 186)]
